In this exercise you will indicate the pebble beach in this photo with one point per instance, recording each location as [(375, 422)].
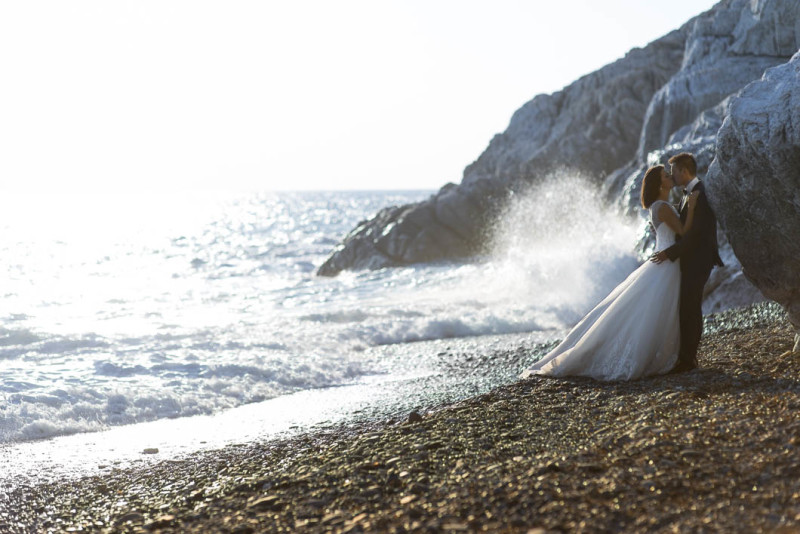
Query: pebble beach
[(713, 450)]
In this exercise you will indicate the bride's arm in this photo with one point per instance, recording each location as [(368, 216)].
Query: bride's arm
[(668, 216)]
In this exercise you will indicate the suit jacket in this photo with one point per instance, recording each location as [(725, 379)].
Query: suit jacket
[(698, 248)]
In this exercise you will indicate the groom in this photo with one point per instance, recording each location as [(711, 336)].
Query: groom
[(698, 252)]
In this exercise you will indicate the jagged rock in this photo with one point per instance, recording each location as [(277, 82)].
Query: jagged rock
[(668, 97), (754, 183), (727, 48), (359, 250), (414, 417)]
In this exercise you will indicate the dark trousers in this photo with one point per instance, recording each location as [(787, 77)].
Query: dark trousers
[(691, 312)]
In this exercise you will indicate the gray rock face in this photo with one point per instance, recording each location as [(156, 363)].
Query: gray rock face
[(726, 49), (668, 97), (593, 125), (754, 183)]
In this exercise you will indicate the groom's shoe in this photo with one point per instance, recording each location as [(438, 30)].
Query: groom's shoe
[(683, 367)]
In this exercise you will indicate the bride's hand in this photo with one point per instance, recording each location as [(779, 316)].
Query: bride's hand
[(658, 257)]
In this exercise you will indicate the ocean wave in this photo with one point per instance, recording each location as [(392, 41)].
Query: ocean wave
[(427, 330), (17, 337), (24, 342), (339, 316), (139, 393)]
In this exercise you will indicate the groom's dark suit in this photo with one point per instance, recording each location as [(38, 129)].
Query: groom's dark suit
[(699, 252)]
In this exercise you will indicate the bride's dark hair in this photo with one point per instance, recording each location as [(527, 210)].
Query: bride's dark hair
[(651, 185)]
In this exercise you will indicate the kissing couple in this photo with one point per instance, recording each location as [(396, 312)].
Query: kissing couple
[(651, 323)]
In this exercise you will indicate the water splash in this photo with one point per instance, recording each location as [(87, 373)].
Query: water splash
[(559, 245)]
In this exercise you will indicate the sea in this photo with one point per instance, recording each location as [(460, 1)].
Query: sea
[(149, 325)]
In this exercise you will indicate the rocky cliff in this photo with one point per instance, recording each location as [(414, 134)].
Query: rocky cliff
[(670, 96)]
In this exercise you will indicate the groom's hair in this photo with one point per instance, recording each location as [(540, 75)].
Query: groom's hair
[(686, 161), (651, 185)]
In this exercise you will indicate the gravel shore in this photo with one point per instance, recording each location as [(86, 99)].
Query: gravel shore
[(713, 450)]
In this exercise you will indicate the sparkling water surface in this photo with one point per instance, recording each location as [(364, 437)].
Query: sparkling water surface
[(124, 309)]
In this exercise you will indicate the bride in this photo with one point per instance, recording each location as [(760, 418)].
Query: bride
[(634, 331)]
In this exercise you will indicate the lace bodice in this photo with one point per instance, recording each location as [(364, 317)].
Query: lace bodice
[(665, 236)]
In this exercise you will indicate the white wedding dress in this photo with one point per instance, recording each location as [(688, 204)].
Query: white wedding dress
[(633, 332)]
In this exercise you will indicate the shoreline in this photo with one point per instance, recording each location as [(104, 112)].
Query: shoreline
[(711, 450), (431, 373)]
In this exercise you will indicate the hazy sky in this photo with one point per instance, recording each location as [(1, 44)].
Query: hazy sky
[(140, 94)]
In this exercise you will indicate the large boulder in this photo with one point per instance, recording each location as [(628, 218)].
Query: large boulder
[(754, 183)]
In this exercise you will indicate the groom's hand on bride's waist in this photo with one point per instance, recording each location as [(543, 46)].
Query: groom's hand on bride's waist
[(658, 257)]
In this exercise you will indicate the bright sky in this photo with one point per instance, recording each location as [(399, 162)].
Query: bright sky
[(306, 94)]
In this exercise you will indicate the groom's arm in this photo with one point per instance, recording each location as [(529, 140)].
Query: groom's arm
[(689, 242)]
